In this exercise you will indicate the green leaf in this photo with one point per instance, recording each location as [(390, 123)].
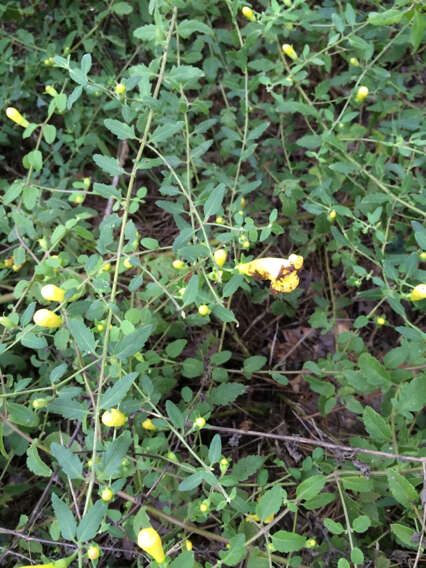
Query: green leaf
[(147, 33), (285, 541), (90, 523), (232, 285), (133, 342), (191, 291), (175, 415), (386, 18), (108, 165), (401, 489), (86, 63), (192, 368), (184, 560), (373, 371), (310, 487), (376, 425), (223, 313), (333, 527), (64, 517), (82, 335), (253, 364), (33, 341), (416, 34), (404, 535), (192, 481), (213, 203), (120, 129), (310, 141), (36, 464), (69, 462), (175, 348), (215, 449), (115, 453), (357, 484), (115, 394), (122, 8), (357, 556), (166, 131), (185, 75), (226, 393), (361, 524), (20, 414), (188, 27), (236, 552), (270, 502), (245, 467), (49, 133), (412, 396)]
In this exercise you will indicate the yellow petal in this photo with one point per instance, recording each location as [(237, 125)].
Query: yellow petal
[(149, 540)]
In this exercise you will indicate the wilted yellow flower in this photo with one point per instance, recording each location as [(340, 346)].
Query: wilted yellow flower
[(419, 293), (148, 424), (149, 540), (16, 116), (289, 51), (282, 272), (53, 293), (248, 13), (113, 418), (361, 94), (46, 318)]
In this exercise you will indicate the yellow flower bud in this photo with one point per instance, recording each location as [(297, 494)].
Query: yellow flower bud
[(248, 13), (289, 51), (422, 256), (243, 202), (220, 257), (16, 116), (53, 293), (332, 215), (16, 267), (113, 418), (106, 267), (40, 403), (93, 552), (150, 542), (120, 88), (310, 543), (204, 507), (100, 327), (204, 310), (380, 320), (107, 494), (127, 263), (87, 181), (419, 293), (219, 220), (361, 94), (354, 61), (148, 424), (46, 318), (178, 264), (246, 244), (188, 544), (50, 90), (200, 422)]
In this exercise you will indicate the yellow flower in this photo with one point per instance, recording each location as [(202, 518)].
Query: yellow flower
[(188, 544), (178, 264), (106, 267), (107, 494), (49, 565), (419, 293), (354, 61), (310, 543), (248, 13), (204, 507), (204, 310), (219, 220), (289, 51), (53, 293), (220, 257), (200, 422), (113, 418), (282, 272), (150, 542), (380, 320), (361, 94), (120, 89), (93, 552), (148, 424), (47, 318), (16, 116)]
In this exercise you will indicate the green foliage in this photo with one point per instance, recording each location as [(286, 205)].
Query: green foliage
[(155, 132)]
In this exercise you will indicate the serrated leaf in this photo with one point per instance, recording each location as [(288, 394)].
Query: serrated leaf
[(224, 314), (33, 341), (213, 203), (226, 393), (175, 348), (310, 487), (133, 342), (108, 165), (36, 464), (376, 425), (402, 490), (115, 394), (90, 523), (115, 453), (82, 335), (192, 481), (215, 449), (175, 415), (166, 131), (120, 129), (245, 467), (270, 502), (20, 414), (285, 541), (65, 518), (69, 462), (386, 18), (236, 552)]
